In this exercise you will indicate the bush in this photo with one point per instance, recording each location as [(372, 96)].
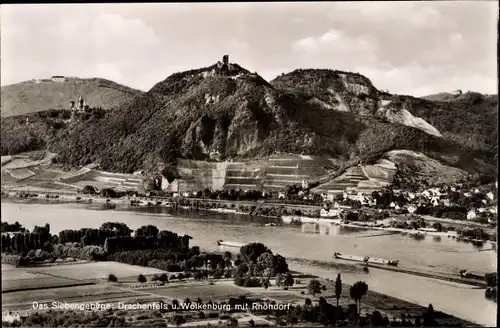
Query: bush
[(112, 278), (141, 278)]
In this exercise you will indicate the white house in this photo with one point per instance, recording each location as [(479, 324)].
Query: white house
[(476, 191), (490, 195), (281, 195), (471, 215), (185, 194), (58, 78), (336, 205), (412, 209), (467, 194), (493, 210), (328, 213), (397, 208), (11, 316), (435, 201), (481, 210), (411, 195), (453, 189), (392, 205)]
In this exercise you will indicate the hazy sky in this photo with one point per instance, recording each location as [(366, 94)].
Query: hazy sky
[(415, 48)]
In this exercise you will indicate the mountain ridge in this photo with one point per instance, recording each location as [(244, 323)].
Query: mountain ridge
[(225, 112)]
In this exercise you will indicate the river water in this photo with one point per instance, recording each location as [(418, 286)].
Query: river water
[(445, 256)]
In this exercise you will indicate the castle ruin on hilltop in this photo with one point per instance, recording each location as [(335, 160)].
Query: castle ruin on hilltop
[(80, 106), (224, 66)]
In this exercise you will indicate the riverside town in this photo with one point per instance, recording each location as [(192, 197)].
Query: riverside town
[(181, 165)]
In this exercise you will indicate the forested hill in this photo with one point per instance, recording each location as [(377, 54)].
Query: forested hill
[(39, 95), (226, 112)]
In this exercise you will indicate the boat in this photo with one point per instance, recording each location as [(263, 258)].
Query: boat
[(229, 244), (365, 259), (270, 225)]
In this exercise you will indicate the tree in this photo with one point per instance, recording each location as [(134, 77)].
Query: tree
[(357, 291), (89, 190), (141, 278), (112, 278), (288, 282), (376, 319), (252, 251), (179, 320), (147, 231), (279, 280), (314, 287), (429, 317), (338, 288)]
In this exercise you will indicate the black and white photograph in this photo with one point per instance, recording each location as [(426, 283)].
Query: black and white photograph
[(249, 164)]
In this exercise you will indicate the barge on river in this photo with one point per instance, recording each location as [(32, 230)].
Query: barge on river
[(229, 244), (365, 259)]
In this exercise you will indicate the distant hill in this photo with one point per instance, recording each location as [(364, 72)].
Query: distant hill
[(33, 96), (223, 112)]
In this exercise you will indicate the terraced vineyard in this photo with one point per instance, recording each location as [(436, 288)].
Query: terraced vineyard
[(275, 172)]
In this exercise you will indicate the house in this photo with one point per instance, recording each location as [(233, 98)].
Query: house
[(481, 210), (328, 213), (281, 195), (476, 191), (411, 209), (493, 210), (426, 193), (490, 195), (169, 186), (176, 194), (58, 78), (446, 202), (471, 215), (467, 194), (11, 316), (392, 205), (185, 194)]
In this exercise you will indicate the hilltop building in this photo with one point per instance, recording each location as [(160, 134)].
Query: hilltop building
[(58, 78), (78, 106)]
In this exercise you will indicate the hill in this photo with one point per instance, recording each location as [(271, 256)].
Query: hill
[(224, 112), (468, 119), (217, 114), (38, 95)]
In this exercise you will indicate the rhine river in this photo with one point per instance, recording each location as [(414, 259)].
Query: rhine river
[(445, 256)]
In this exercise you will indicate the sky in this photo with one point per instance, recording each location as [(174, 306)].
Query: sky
[(414, 48)]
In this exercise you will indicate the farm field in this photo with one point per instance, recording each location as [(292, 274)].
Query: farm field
[(216, 292), (42, 281), (97, 270)]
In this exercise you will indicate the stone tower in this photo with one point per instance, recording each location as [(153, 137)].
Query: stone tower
[(225, 60), (81, 103)]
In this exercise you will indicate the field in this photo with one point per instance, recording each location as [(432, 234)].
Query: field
[(216, 292), (96, 270)]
